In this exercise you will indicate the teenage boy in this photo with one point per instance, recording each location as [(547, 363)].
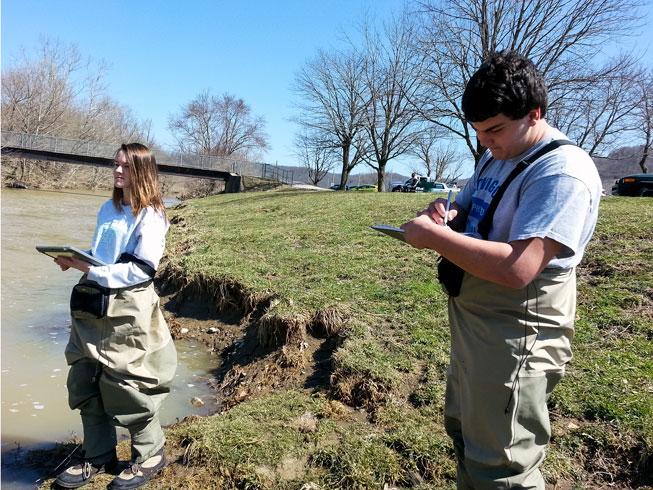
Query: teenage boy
[(512, 321)]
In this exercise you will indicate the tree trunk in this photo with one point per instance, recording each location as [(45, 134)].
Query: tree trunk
[(380, 176), (21, 165), (344, 175), (480, 149), (646, 147), (642, 161)]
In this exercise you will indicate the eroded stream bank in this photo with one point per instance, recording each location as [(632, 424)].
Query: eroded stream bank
[(257, 353)]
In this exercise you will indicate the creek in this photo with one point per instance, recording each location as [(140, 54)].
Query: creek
[(36, 324)]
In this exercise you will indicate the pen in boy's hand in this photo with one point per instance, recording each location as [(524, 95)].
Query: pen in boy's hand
[(446, 209)]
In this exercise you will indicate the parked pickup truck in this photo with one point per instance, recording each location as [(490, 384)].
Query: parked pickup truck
[(634, 185), (423, 185)]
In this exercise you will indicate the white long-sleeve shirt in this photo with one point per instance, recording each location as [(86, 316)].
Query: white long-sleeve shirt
[(119, 231)]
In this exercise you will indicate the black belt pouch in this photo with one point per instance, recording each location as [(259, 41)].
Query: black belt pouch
[(89, 301), (450, 276)]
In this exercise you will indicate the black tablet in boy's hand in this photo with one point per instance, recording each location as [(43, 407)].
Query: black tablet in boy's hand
[(397, 233)]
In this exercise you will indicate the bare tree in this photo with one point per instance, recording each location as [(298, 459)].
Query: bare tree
[(597, 113), (391, 84), (317, 159), (38, 91), (424, 149), (562, 37), (439, 157), (221, 126), (332, 104), (56, 91)]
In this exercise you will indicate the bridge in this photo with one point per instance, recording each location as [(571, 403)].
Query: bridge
[(56, 149)]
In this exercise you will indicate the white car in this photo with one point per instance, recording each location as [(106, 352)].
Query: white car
[(440, 187)]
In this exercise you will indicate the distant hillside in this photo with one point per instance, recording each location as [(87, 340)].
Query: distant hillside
[(300, 176), (619, 163)]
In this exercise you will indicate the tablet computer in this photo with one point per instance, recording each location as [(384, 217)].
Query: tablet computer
[(68, 251), (397, 233)]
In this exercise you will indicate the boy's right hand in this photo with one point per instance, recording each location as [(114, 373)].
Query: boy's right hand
[(435, 211)]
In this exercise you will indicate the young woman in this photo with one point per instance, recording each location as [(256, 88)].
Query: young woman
[(121, 356)]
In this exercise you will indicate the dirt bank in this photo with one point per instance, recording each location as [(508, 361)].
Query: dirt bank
[(257, 354)]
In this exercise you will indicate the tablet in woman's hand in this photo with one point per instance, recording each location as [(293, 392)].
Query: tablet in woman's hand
[(68, 251)]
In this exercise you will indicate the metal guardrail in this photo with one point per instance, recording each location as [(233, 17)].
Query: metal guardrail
[(96, 149)]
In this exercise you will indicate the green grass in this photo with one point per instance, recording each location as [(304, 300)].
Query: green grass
[(235, 444), (611, 377), (315, 251)]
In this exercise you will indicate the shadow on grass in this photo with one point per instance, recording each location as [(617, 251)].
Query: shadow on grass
[(320, 378)]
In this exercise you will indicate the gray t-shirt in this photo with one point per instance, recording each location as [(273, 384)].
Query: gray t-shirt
[(556, 197)]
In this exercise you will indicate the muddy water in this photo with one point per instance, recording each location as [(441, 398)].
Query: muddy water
[(36, 324)]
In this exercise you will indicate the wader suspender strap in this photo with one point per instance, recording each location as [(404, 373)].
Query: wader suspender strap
[(140, 263), (125, 257), (486, 222)]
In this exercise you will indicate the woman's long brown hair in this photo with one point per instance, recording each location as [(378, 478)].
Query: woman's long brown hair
[(144, 179)]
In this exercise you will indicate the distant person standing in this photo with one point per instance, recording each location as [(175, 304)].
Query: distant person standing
[(121, 355), (527, 215)]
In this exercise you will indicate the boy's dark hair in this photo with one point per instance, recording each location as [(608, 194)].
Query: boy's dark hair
[(506, 83)]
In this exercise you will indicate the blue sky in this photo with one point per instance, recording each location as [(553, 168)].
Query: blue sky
[(163, 53)]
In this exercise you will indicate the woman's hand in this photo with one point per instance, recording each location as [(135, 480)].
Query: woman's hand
[(67, 262), (62, 262)]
